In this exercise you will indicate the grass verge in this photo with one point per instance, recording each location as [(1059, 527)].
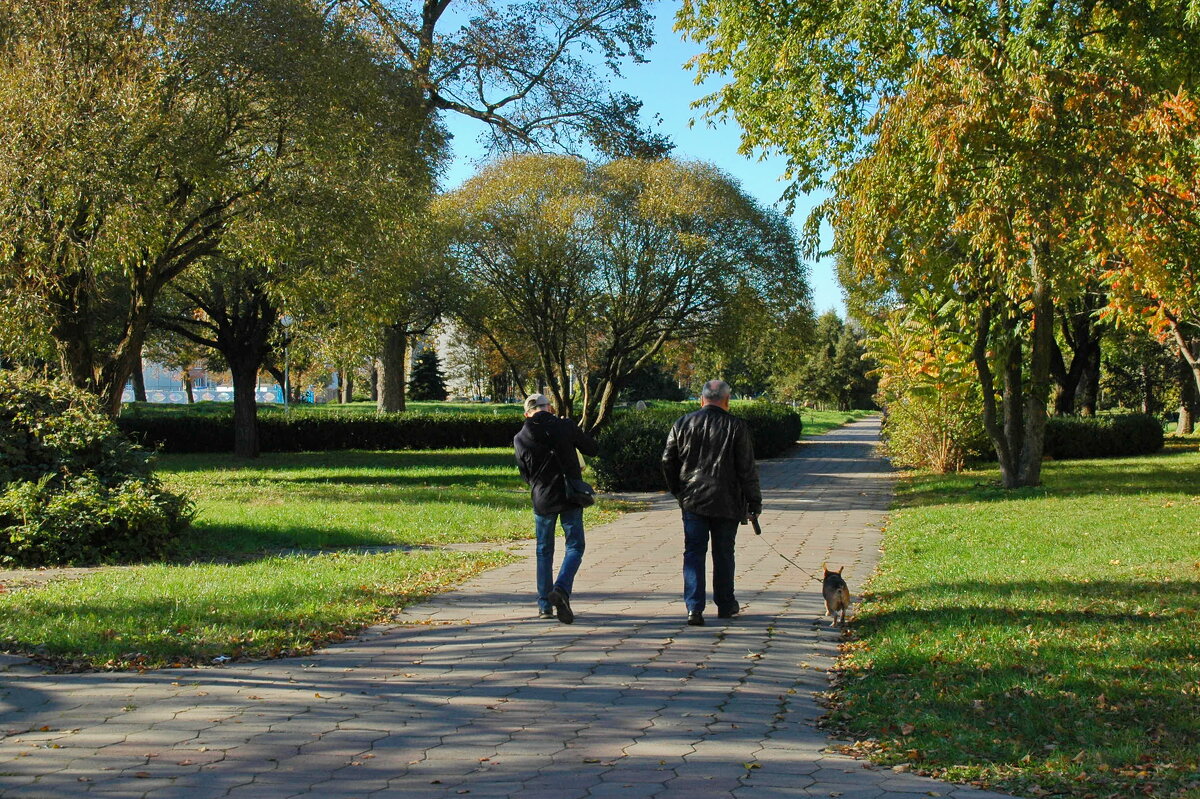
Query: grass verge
[(155, 616), (1042, 641)]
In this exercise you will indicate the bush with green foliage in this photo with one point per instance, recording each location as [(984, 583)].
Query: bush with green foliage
[(631, 446), (73, 489), (1115, 435), (300, 431)]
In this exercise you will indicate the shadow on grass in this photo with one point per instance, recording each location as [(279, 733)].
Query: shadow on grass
[(1069, 594)]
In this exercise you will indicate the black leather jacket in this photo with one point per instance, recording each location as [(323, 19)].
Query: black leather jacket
[(542, 436), (709, 465)]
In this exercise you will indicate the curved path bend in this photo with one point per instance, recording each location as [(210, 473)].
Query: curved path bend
[(470, 695)]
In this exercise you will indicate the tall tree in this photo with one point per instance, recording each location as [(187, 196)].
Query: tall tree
[(131, 136), (351, 179), (963, 144), (599, 267)]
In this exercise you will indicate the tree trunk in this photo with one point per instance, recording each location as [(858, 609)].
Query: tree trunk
[(374, 382), (991, 421), (1089, 383), (1189, 404), (1147, 389), (391, 369), (245, 407), (345, 386), (139, 378), (1034, 441), (187, 386)]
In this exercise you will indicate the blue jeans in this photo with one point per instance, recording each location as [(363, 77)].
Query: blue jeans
[(697, 530), (572, 524)]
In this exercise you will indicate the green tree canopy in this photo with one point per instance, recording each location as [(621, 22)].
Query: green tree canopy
[(970, 150), (600, 266)]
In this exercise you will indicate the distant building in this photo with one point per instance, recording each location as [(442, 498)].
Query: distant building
[(167, 386)]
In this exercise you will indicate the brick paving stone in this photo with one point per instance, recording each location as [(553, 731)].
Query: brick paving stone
[(469, 691)]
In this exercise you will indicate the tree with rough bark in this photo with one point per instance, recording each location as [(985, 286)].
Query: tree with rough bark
[(132, 136), (353, 177), (963, 144), (600, 266)]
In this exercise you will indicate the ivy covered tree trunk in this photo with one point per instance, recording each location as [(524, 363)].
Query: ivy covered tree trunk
[(391, 369)]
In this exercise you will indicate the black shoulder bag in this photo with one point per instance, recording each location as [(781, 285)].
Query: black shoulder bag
[(578, 492)]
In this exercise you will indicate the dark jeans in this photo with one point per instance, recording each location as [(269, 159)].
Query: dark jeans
[(572, 524), (697, 530)]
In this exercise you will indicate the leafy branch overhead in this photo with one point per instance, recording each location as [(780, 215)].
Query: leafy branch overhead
[(527, 71)]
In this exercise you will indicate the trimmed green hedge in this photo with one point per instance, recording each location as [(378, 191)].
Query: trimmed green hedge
[(631, 446), (1076, 437), (306, 432)]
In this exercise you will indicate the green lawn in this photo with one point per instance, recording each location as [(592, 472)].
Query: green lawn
[(162, 615), (318, 500), (1044, 641)]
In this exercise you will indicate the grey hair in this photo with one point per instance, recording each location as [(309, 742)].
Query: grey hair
[(716, 391)]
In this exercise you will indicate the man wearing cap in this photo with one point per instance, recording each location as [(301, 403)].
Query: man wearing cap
[(546, 450), (709, 466)]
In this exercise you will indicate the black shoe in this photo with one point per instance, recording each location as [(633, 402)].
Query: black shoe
[(695, 619), (560, 602), (728, 614), (546, 614)]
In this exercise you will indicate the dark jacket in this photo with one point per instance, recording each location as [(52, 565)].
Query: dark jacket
[(543, 434), (709, 465)]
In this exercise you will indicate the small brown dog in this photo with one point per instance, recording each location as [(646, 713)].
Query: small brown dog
[(836, 593)]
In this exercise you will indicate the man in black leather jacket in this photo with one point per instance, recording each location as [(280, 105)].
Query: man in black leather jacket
[(709, 466), (545, 450)]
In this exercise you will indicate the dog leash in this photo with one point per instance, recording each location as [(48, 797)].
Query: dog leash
[(758, 532)]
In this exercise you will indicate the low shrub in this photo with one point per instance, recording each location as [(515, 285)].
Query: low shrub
[(631, 446), (73, 489), (1075, 437), (301, 431), (81, 521)]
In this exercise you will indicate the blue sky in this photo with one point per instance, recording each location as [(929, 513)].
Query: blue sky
[(667, 89)]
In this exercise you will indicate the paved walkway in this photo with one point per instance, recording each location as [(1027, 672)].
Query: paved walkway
[(475, 697)]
